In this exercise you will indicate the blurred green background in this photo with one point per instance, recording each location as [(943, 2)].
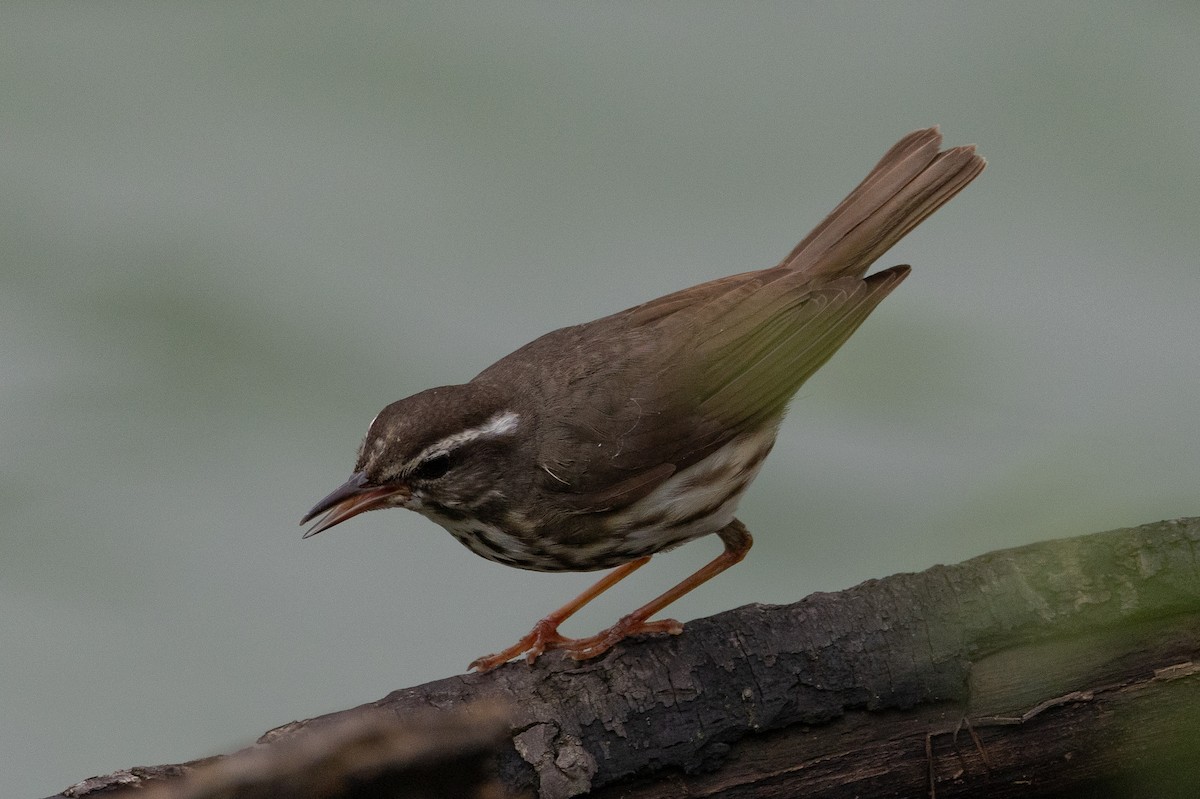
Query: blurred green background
[(231, 233)]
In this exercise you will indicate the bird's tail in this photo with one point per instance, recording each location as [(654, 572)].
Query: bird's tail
[(908, 184)]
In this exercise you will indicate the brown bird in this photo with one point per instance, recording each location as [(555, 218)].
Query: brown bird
[(598, 445)]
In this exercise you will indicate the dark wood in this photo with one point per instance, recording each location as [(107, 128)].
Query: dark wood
[(1063, 668), (365, 755)]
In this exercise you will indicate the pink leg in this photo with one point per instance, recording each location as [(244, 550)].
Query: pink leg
[(737, 543), (545, 633)]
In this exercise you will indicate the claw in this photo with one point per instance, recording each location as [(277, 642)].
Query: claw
[(601, 642), (543, 636)]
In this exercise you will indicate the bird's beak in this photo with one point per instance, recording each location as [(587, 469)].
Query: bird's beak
[(351, 498)]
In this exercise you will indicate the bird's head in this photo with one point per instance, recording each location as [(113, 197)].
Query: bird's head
[(438, 452)]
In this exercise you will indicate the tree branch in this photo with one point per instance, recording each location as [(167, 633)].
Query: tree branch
[(1049, 669)]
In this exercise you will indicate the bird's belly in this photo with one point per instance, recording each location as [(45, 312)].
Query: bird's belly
[(691, 503), (696, 501)]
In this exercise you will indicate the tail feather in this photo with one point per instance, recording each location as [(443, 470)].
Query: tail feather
[(910, 182)]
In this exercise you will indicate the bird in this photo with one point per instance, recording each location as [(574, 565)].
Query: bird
[(598, 445)]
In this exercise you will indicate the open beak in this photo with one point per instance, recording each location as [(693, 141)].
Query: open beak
[(351, 498)]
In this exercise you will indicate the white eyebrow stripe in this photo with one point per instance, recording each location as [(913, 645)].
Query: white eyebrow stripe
[(501, 424)]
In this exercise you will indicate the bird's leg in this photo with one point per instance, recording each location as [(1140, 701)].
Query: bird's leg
[(737, 543), (544, 634)]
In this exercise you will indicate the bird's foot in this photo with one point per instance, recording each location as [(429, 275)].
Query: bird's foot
[(543, 636), (601, 642)]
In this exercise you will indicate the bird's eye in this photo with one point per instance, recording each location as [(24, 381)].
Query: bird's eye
[(433, 467)]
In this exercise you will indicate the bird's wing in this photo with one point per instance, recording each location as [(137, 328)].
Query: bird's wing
[(695, 381), (750, 358)]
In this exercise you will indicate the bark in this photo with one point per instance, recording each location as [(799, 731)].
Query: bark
[(1064, 668)]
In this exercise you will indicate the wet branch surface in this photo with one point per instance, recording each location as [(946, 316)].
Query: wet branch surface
[(1063, 668)]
